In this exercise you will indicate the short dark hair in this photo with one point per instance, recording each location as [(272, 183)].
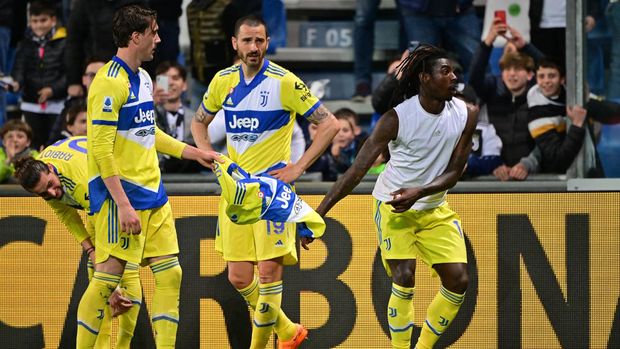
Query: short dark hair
[(516, 60), (16, 125), (28, 171), (74, 110), (164, 66), (131, 19), (252, 21), (348, 113), (38, 8), (549, 63)]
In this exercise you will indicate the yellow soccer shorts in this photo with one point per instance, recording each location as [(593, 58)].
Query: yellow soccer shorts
[(435, 235), (158, 236), (260, 241)]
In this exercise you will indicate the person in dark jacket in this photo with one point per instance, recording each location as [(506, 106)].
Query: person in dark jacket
[(558, 139), (506, 100), (39, 71), (89, 35)]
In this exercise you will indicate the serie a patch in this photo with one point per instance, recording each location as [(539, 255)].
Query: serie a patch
[(107, 104)]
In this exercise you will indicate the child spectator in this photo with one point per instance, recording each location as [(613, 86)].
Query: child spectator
[(39, 71), (75, 121), (506, 100), (16, 138), (558, 140), (359, 133)]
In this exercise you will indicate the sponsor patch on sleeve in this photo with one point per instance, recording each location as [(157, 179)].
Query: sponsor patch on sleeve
[(107, 104)]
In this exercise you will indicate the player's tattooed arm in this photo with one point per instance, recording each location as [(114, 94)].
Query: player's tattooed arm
[(201, 115), (319, 115), (199, 127)]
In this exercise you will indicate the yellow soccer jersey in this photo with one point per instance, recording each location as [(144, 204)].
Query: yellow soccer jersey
[(259, 115), (122, 137), (68, 158)]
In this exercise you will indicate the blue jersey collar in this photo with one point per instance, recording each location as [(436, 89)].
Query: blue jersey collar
[(122, 63)]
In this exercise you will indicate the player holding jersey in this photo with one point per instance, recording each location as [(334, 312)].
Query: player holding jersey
[(59, 177), (429, 139), (131, 214), (260, 100)]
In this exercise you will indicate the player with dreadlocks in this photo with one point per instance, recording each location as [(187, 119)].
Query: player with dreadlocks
[(428, 134)]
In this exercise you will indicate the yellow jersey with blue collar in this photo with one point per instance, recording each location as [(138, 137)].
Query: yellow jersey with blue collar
[(122, 137), (259, 114), (68, 160)]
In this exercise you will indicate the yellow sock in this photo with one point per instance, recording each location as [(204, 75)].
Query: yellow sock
[(284, 327), (439, 316), (400, 316), (266, 313), (132, 289), (165, 316), (91, 308)]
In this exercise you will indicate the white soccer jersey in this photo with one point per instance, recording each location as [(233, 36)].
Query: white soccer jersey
[(422, 149)]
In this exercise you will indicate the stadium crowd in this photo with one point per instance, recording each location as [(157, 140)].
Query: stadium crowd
[(50, 52)]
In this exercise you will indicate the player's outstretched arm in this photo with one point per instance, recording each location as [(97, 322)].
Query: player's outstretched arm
[(385, 131), (204, 157), (404, 198)]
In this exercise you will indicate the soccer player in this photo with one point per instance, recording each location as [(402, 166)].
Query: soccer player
[(260, 100), (59, 177), (428, 134), (131, 214)]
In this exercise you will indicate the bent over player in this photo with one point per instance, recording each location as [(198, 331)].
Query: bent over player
[(58, 175), (428, 134), (130, 209)]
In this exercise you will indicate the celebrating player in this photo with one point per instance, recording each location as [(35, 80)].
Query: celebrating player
[(131, 214), (428, 134), (260, 100)]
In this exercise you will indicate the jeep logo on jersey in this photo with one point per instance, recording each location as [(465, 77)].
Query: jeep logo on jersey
[(148, 115), (247, 123)]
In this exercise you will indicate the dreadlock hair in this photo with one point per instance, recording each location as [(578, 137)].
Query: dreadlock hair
[(28, 171), (420, 60)]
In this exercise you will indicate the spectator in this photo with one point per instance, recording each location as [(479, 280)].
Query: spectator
[(89, 35), (354, 120), (58, 130), (6, 21), (613, 20), (16, 138), (486, 148), (75, 121), (344, 148), (211, 24), (39, 72), (548, 26), (364, 46), (558, 140), (506, 100), (172, 116), (451, 24), (339, 156)]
